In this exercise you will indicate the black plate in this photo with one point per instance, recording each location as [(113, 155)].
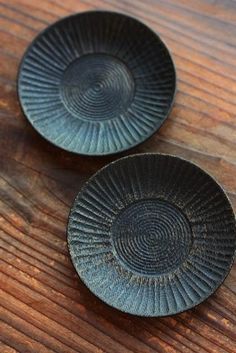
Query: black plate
[(97, 83), (152, 235)]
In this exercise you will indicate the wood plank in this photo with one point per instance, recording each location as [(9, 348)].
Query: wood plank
[(6, 348), (44, 307)]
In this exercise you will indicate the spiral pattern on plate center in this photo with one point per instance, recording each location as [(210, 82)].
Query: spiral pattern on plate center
[(97, 83), (151, 237), (97, 87)]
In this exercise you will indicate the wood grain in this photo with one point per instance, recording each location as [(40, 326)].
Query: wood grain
[(43, 305)]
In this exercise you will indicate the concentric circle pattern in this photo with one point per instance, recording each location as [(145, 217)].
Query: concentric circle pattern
[(97, 83), (152, 235), (97, 87)]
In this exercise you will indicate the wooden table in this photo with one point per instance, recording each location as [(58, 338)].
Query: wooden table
[(44, 306)]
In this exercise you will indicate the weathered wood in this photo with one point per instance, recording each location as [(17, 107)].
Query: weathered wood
[(43, 305)]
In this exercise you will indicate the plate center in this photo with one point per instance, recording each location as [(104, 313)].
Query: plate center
[(151, 237), (97, 87)]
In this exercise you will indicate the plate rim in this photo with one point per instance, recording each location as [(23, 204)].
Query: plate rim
[(106, 12), (189, 307)]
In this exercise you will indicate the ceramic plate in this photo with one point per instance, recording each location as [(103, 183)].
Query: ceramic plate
[(97, 83), (152, 235)]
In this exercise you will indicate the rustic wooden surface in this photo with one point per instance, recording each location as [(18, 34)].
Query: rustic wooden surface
[(44, 306)]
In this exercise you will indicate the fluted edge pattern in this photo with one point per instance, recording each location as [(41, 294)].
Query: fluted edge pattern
[(176, 182), (88, 88)]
